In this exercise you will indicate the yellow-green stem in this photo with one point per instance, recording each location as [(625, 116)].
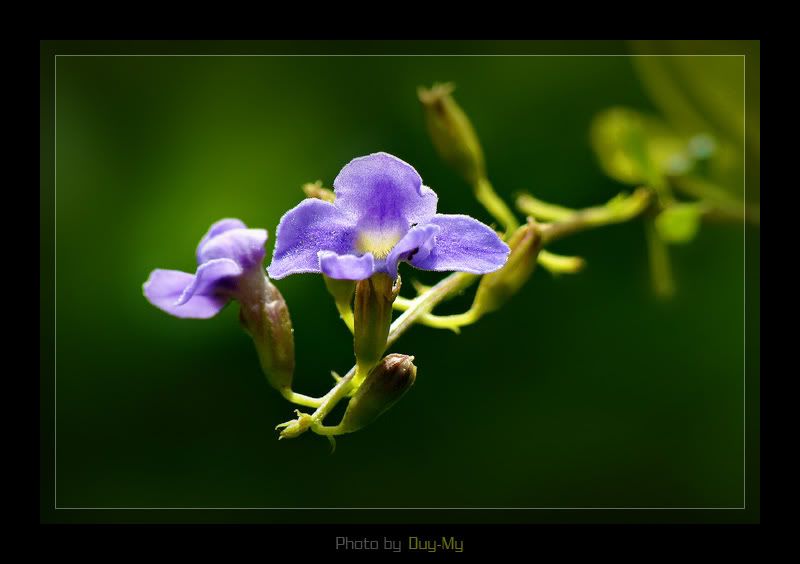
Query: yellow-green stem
[(660, 266), (560, 264), (300, 399), (429, 319), (541, 210), (494, 204)]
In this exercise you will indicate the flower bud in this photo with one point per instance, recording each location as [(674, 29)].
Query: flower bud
[(452, 133), (373, 316), (383, 387), (497, 287), (265, 316)]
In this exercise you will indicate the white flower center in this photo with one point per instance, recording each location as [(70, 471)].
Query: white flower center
[(379, 243)]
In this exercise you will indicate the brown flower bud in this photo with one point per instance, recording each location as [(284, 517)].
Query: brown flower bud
[(383, 387)]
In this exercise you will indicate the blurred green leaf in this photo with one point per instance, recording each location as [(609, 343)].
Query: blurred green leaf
[(698, 93), (635, 148), (705, 95)]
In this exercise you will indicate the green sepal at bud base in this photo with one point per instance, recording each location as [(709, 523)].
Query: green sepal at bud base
[(496, 288), (383, 387), (372, 315), (265, 316), (452, 132)]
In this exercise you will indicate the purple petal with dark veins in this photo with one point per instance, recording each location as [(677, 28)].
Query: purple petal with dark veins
[(416, 244), (464, 244), (382, 189), (305, 230)]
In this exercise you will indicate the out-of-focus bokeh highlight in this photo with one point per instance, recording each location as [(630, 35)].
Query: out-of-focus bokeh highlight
[(584, 391)]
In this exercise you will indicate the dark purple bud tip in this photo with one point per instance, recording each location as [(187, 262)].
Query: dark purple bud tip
[(383, 387)]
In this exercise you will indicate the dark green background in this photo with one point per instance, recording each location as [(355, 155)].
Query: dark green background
[(586, 391)]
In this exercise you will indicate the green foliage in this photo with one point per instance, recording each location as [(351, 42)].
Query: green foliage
[(635, 148), (679, 223)]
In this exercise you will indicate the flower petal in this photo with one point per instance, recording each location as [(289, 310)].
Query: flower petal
[(417, 243), (346, 267), (164, 287), (214, 277), (311, 226), (218, 228), (464, 244), (243, 246), (382, 189)]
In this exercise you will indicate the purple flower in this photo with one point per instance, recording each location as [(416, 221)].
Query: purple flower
[(226, 255), (382, 216)]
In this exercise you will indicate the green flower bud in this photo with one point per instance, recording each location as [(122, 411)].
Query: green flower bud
[(452, 133), (383, 387), (497, 287), (265, 316), (373, 316), (315, 190)]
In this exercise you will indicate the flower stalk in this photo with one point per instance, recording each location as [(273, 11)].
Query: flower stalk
[(265, 317), (495, 205), (345, 385), (373, 316), (660, 264)]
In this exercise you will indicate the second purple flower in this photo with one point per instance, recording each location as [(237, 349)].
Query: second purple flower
[(382, 215)]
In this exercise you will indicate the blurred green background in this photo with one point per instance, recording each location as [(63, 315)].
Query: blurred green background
[(586, 391)]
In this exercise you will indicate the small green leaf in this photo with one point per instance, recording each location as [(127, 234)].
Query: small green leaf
[(618, 138), (679, 223), (635, 148)]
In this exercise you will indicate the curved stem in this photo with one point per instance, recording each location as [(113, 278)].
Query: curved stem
[(429, 319), (334, 396), (660, 266), (424, 303), (560, 264), (329, 430), (541, 210), (402, 304), (494, 204), (620, 209), (301, 399)]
